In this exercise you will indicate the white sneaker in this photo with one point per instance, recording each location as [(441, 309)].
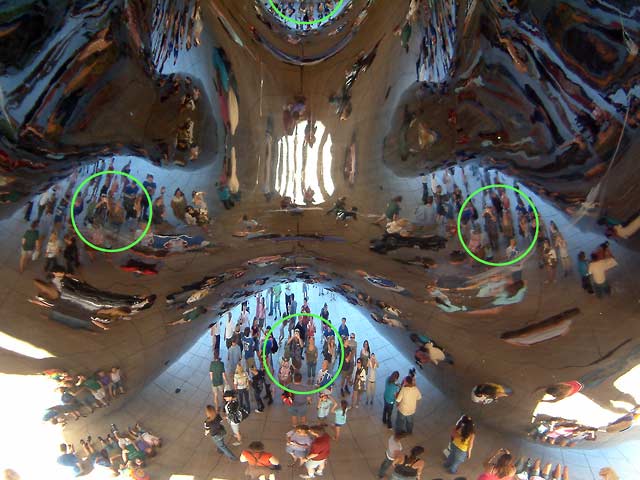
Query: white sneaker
[(235, 444), (302, 475)]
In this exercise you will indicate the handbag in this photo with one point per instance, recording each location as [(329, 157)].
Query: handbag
[(447, 451)]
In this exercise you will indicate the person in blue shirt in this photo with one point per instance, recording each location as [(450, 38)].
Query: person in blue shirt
[(391, 389), (343, 330), (150, 186), (248, 348), (69, 459)]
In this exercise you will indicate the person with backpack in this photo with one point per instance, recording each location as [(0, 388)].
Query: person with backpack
[(235, 414), (261, 464), (213, 428), (409, 467)]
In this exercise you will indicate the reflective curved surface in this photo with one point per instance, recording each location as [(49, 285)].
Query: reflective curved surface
[(340, 156)]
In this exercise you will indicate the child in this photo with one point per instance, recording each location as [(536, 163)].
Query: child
[(325, 404), (341, 417), (116, 382), (284, 373)]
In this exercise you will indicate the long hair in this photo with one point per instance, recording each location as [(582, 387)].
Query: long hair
[(415, 453), (504, 466), (608, 473), (466, 427)]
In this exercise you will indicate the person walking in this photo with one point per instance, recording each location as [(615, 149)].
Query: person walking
[(409, 467), (316, 460), (214, 330), (407, 401), (461, 444), (261, 464), (371, 379), (213, 428), (218, 378), (394, 451), (257, 383), (229, 329), (30, 245), (391, 389)]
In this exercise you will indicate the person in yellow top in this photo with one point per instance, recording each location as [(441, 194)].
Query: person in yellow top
[(461, 443)]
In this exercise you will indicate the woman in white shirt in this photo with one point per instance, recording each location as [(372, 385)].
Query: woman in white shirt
[(371, 380)]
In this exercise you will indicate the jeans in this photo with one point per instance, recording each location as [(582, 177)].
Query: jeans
[(404, 423), (384, 467), (257, 395), (222, 447), (386, 413), (276, 306), (601, 289), (311, 370), (243, 398), (455, 459)]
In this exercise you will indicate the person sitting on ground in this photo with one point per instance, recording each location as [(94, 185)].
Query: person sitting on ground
[(409, 467)]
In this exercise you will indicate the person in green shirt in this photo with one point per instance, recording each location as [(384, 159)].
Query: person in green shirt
[(30, 244), (218, 378), (392, 212)]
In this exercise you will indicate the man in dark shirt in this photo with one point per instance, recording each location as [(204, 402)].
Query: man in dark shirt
[(347, 367), (150, 186), (218, 378), (30, 244), (343, 330), (248, 349), (316, 459)]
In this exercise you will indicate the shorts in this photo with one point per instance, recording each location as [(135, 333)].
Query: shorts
[(26, 253), (235, 428), (251, 362), (117, 385), (100, 394), (339, 424), (218, 389), (298, 410)]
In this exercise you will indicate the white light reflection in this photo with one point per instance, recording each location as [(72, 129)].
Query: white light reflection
[(301, 165), (23, 348), (580, 408), (630, 383)]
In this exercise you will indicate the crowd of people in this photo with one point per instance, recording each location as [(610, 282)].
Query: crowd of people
[(303, 11), (82, 393), (118, 453), (175, 28)]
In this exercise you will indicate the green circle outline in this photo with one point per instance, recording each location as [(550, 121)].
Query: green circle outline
[(310, 22), (264, 353), (522, 255), (73, 217)]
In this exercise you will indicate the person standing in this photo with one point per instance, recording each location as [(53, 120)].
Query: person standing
[(277, 290), (287, 300), (68, 458), (248, 348), (70, 253), (52, 251), (371, 379), (347, 368), (326, 403), (583, 270), (241, 385), (30, 245), (359, 383), (229, 329), (340, 413), (598, 271), (391, 389), (316, 460), (461, 444), (218, 378), (213, 428), (394, 451), (409, 467), (499, 466), (257, 383), (312, 359), (343, 330), (233, 356), (298, 409), (233, 414), (260, 463), (407, 401), (214, 329), (150, 186)]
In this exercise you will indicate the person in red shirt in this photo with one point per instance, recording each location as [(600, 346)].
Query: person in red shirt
[(316, 459)]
